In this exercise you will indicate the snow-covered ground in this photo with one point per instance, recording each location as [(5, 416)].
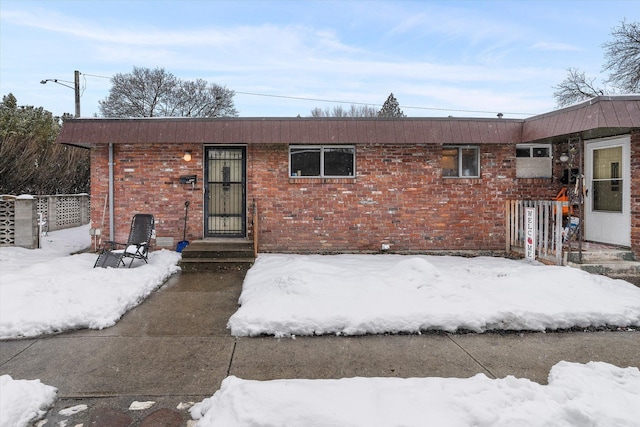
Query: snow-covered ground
[(47, 290), (44, 291), (592, 394), (23, 400), (287, 295)]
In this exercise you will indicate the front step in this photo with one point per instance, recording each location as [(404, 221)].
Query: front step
[(611, 262), (611, 268), (220, 254), (601, 255)]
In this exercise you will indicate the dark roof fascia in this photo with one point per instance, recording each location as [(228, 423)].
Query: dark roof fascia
[(581, 105), (286, 119), (89, 132), (590, 119), (598, 117)]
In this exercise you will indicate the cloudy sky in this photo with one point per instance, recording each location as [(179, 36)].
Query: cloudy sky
[(284, 58)]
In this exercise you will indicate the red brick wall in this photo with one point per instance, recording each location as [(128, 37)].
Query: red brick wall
[(635, 193), (399, 198), (147, 181)]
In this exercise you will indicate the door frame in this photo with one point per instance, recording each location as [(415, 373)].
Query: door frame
[(601, 226), (207, 231)]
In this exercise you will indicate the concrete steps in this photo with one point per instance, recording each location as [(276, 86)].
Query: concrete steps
[(218, 254), (611, 262), (592, 255)]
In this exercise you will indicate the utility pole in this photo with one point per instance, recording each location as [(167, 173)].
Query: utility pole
[(76, 88)]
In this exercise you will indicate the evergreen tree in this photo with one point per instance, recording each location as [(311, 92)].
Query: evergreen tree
[(391, 108)]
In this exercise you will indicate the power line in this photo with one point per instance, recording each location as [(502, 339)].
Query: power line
[(84, 80), (355, 103), (94, 75), (378, 105)]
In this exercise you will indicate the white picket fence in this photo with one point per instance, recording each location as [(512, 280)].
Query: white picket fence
[(549, 228)]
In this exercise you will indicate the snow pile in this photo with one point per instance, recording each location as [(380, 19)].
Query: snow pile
[(285, 295), (595, 394), (46, 290), (22, 401)]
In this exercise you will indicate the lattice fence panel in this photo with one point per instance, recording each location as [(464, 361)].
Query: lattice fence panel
[(43, 205), (7, 222), (67, 212)]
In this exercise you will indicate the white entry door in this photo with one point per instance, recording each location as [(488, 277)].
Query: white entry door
[(608, 184)]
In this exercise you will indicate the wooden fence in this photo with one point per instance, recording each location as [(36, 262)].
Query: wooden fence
[(549, 228)]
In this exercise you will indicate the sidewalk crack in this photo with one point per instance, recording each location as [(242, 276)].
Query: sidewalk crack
[(233, 352), (35, 340), (491, 374)]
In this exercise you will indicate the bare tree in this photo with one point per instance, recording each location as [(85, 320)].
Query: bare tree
[(390, 108), (623, 63), (575, 88), (158, 93), (138, 94), (199, 99), (623, 57), (338, 111)]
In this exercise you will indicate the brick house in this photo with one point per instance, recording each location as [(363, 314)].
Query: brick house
[(329, 185)]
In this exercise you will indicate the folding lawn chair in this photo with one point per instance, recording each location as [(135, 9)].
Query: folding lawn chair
[(137, 246)]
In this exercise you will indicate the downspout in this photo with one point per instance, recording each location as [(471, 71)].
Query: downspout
[(111, 209)]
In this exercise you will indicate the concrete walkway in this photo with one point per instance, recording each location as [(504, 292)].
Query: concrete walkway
[(175, 348)]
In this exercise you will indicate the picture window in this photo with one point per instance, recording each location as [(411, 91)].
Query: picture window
[(314, 161)]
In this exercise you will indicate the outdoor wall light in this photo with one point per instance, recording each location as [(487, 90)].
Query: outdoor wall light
[(564, 158), (187, 156)]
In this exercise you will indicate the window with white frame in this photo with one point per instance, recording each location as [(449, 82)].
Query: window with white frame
[(534, 161), (460, 161), (322, 161)]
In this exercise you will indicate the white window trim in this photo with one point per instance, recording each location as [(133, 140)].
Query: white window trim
[(531, 147), (459, 148), (322, 148)]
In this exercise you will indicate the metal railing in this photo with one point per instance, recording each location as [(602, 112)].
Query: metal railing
[(256, 228)]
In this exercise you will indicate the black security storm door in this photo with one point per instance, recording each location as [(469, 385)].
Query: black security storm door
[(225, 200)]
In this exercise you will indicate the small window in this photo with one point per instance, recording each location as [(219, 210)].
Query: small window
[(540, 152), (533, 161), (460, 162), (322, 161), (530, 151)]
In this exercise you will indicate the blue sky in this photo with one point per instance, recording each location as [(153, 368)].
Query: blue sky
[(439, 58)]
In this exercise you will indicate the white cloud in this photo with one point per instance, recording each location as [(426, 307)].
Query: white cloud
[(457, 54), (551, 46)]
